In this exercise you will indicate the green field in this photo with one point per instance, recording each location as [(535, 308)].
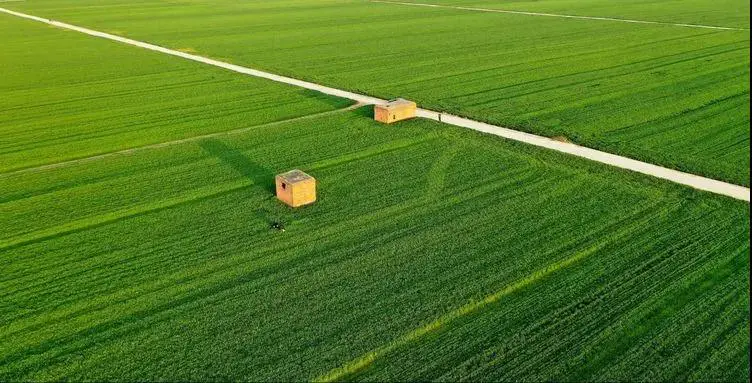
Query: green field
[(670, 95), (724, 13), (53, 113), (433, 252)]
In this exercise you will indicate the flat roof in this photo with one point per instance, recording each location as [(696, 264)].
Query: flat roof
[(397, 103), (294, 176)]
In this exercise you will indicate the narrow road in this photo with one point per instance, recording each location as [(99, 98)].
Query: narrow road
[(695, 181), (492, 10)]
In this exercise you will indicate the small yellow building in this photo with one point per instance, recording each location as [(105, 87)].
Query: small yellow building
[(394, 110), (296, 188)]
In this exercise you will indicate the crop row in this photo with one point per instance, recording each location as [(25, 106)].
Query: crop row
[(177, 272), (728, 13), (68, 96), (674, 96)]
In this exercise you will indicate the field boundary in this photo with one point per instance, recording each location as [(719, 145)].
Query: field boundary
[(622, 229), (679, 177), (598, 18), (164, 144)]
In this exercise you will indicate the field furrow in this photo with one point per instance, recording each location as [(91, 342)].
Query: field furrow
[(581, 79), (140, 237)]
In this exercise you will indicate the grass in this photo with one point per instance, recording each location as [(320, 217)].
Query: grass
[(602, 327), (670, 95), (725, 13), (433, 252), (177, 273), (72, 96)]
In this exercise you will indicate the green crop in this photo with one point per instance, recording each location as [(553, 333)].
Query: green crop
[(164, 264), (66, 95), (670, 95), (432, 253), (724, 13)]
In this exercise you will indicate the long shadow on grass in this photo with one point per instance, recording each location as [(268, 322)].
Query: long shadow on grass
[(258, 174), (325, 98)]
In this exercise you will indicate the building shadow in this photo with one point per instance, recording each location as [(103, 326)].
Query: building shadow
[(364, 111), (332, 101), (259, 175)]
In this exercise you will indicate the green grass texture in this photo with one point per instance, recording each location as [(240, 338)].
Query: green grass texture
[(722, 13), (674, 96), (432, 253), (66, 95)]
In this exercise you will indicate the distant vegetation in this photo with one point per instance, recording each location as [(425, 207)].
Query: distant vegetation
[(723, 13)]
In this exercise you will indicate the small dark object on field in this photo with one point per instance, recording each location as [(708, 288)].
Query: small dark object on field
[(278, 226)]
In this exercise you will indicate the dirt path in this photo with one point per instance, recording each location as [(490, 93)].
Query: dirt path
[(697, 182), (559, 15)]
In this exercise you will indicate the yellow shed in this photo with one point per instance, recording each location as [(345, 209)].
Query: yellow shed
[(394, 110), (296, 188)]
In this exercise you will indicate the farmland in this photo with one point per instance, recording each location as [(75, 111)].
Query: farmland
[(729, 13), (187, 281), (130, 102), (433, 252), (669, 95)]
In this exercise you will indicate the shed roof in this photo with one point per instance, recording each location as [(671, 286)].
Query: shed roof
[(398, 102), (295, 176)]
